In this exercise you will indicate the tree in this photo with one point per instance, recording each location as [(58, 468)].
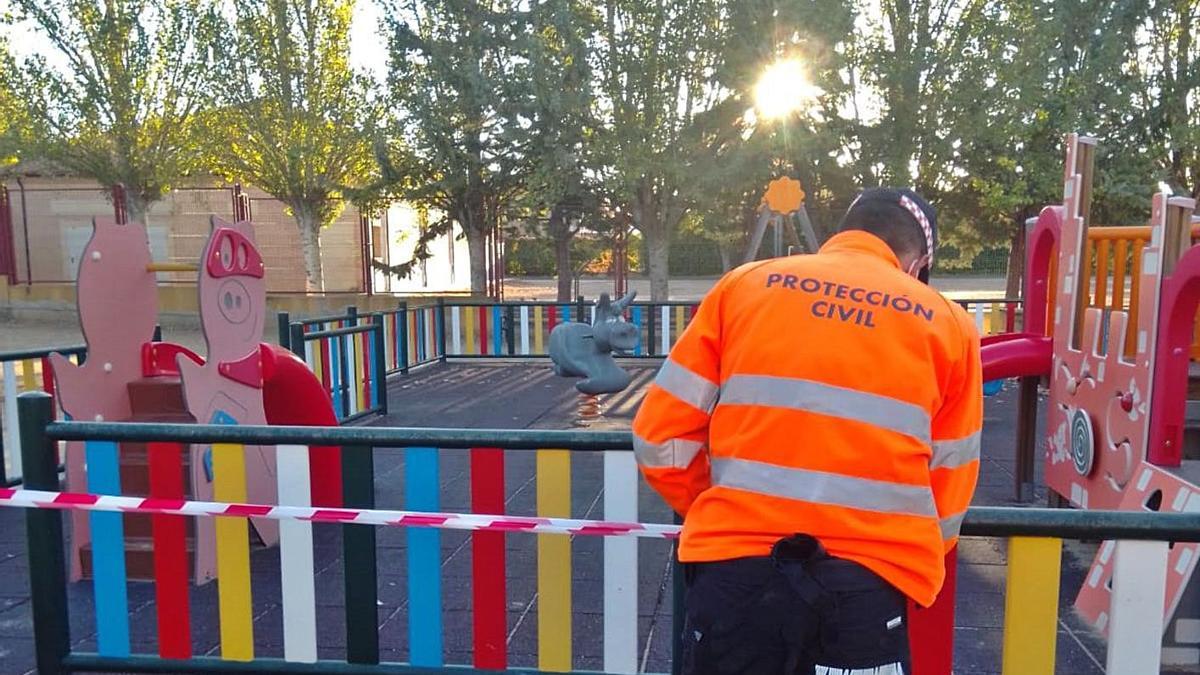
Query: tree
[(295, 116), (556, 126), (452, 77), (658, 82), (1168, 100), (122, 110)]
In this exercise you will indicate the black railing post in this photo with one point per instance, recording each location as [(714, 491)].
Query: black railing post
[(157, 333), (440, 321), (510, 325), (579, 305), (285, 334), (380, 360), (677, 609), (296, 340), (351, 315), (1026, 447), (358, 552), (44, 534), (402, 329)]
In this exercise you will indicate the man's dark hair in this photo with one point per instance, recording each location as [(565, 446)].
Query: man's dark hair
[(879, 212)]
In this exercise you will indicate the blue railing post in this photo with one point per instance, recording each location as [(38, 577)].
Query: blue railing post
[(44, 532)]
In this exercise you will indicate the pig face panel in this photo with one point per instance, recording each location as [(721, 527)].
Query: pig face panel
[(232, 292)]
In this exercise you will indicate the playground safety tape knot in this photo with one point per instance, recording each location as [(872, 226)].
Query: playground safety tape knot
[(39, 499)]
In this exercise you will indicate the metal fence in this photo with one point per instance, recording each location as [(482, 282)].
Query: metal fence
[(1032, 587)]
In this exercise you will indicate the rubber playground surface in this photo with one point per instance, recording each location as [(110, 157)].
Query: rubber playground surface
[(528, 395)]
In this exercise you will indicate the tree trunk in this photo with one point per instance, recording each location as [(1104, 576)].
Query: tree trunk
[(136, 209), (726, 256), (562, 266), (310, 243), (658, 253), (560, 232), (477, 251)]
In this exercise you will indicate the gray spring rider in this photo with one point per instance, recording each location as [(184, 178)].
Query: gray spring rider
[(580, 350)]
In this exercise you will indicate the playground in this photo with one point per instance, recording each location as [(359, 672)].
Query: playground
[(417, 486), (539, 400)]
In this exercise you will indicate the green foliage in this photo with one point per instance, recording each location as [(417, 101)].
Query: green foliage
[(452, 81), (124, 108), (294, 115)]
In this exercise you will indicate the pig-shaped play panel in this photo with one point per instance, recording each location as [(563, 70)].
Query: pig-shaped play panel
[(118, 310), (228, 387)]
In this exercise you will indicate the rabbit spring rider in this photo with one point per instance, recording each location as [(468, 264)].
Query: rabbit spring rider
[(580, 350)]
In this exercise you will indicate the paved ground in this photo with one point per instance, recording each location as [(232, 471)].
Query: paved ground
[(528, 396)]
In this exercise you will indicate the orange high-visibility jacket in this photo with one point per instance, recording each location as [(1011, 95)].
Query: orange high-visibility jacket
[(828, 394)]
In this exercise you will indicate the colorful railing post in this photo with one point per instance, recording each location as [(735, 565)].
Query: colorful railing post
[(1031, 605), (44, 532), (13, 432)]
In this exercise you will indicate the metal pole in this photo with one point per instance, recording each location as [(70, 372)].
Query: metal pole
[(44, 534), (510, 327), (760, 228), (402, 329), (297, 344), (777, 223), (810, 235), (1027, 411), (284, 320), (380, 365), (440, 325), (677, 608)]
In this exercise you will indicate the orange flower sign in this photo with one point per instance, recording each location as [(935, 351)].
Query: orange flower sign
[(784, 195)]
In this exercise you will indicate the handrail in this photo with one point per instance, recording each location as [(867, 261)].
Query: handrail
[(345, 436), (21, 355)]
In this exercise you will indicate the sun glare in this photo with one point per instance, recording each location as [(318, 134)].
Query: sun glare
[(783, 89)]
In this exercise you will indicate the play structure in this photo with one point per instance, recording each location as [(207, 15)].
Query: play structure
[(128, 376), (581, 350), (1110, 319), (1122, 312)]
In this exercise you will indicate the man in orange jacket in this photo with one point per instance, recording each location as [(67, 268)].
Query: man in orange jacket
[(817, 425)]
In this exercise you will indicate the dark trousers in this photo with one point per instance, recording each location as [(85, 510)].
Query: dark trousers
[(796, 612)]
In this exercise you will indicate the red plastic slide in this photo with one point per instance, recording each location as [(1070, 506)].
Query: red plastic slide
[(931, 630), (292, 395)]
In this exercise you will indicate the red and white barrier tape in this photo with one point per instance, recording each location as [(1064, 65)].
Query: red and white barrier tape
[(39, 499)]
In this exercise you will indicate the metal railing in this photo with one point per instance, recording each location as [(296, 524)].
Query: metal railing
[(1034, 555), (348, 361), (22, 371)]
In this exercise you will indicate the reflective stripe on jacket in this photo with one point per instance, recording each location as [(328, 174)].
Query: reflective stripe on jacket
[(828, 394)]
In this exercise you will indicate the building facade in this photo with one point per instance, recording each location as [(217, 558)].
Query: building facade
[(45, 222)]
